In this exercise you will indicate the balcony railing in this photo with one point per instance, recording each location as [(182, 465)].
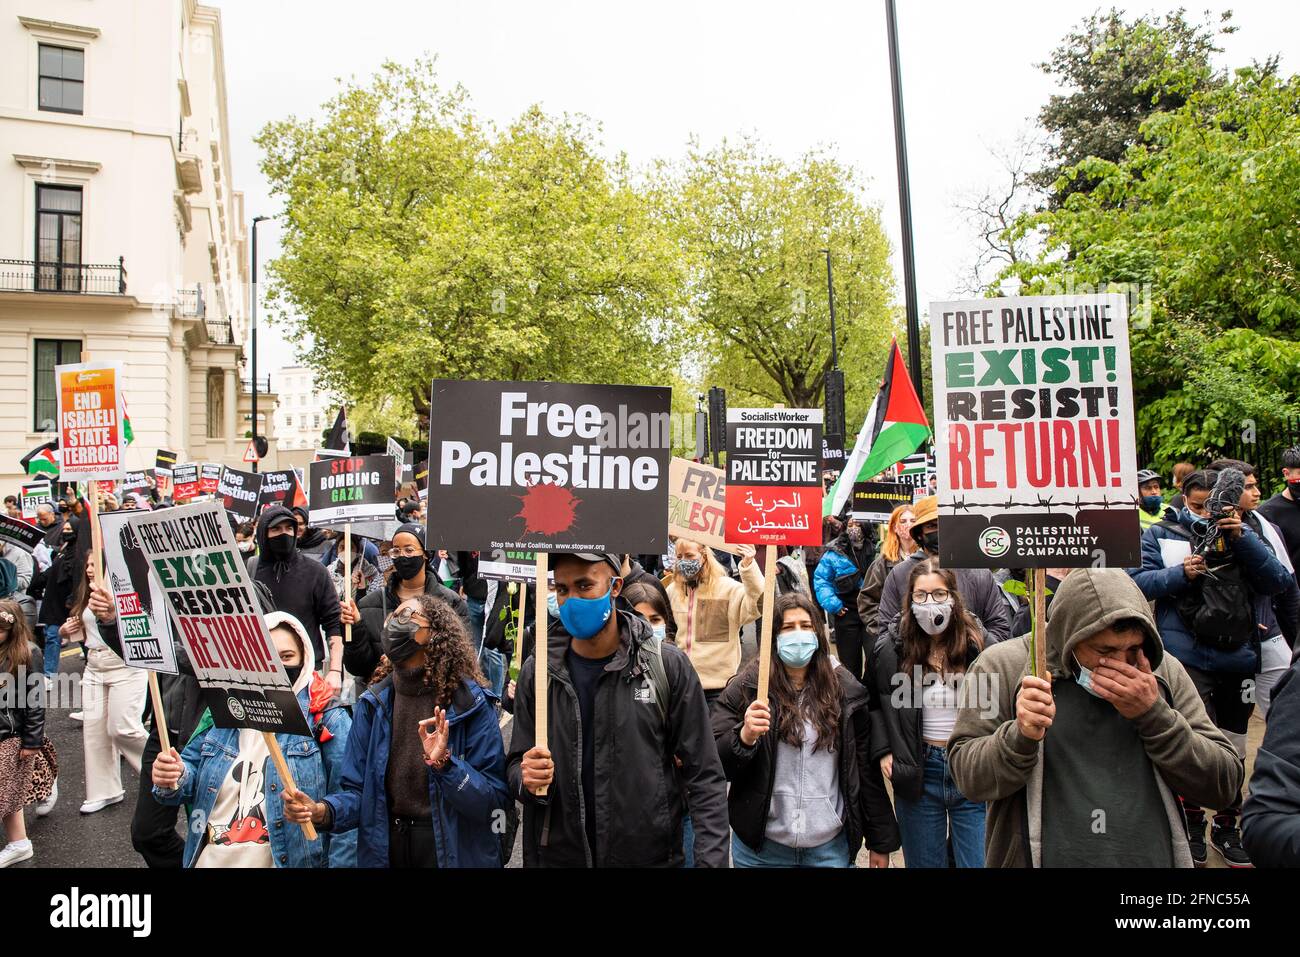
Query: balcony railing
[(190, 303), (263, 385), (220, 332), (26, 275)]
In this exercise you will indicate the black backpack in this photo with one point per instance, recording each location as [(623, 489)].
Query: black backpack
[(1218, 608)]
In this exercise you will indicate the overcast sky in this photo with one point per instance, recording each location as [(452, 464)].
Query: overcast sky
[(654, 74)]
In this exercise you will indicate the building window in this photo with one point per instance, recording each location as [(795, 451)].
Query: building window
[(315, 421), (58, 238), (288, 420), (62, 75), (50, 353)]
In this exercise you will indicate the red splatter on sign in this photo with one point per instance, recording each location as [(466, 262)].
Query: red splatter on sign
[(547, 509)]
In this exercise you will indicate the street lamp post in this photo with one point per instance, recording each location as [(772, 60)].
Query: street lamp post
[(830, 297), (256, 220), (904, 206)]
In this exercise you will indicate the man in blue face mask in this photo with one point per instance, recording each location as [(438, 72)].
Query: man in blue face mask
[(615, 796), (1151, 504)]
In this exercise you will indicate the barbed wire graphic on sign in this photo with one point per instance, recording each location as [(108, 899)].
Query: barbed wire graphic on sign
[(1044, 502)]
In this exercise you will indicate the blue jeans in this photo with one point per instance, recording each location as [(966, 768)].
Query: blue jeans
[(924, 823), (834, 853), (52, 650), (688, 841), (494, 669), (476, 617)]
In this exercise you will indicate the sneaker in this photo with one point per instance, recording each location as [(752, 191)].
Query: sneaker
[(1226, 839), (90, 807), (77, 715), (45, 807), (1196, 842), (15, 852)]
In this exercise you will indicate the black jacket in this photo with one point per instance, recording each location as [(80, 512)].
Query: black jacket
[(895, 726), (21, 713), (639, 800), (301, 586), (361, 654), (1270, 818), (636, 575), (752, 771)]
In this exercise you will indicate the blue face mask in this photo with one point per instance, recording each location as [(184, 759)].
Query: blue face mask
[(1084, 678), (796, 648), (661, 631), (1151, 503), (553, 604), (583, 618)]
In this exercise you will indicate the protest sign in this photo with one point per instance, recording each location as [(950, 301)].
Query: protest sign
[(209, 478), (192, 554), (136, 481), (25, 535), (33, 496), (697, 496), (238, 492), (422, 479), (185, 482), (549, 466), (832, 453), (90, 421), (873, 501), (503, 564), (279, 488), (163, 464), (774, 482), (354, 489), (1034, 412), (141, 604)]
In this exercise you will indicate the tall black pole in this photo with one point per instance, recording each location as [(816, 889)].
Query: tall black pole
[(830, 297), (256, 220), (904, 206)]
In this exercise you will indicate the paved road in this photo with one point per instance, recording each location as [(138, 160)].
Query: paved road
[(66, 837)]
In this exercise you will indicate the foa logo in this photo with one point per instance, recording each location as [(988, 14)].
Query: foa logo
[(76, 910)]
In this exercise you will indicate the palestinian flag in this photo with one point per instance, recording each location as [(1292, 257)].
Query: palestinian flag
[(338, 443), (895, 427), (128, 433), (42, 460)]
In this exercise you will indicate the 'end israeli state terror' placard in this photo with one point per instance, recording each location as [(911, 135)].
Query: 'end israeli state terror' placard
[(774, 478), (548, 466), (192, 554), (354, 489), (1033, 409)]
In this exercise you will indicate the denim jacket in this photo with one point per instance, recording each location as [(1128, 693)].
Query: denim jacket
[(316, 770)]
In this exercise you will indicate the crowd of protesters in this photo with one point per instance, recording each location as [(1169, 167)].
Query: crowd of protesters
[(902, 712)]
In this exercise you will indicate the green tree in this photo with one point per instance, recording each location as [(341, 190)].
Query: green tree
[(751, 229), (1116, 74), (420, 242), (1204, 214)]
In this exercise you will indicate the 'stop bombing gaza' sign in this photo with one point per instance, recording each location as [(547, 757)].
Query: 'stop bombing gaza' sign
[(548, 466), (1034, 419)]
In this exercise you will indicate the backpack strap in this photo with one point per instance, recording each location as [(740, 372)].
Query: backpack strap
[(1175, 528), (650, 657)]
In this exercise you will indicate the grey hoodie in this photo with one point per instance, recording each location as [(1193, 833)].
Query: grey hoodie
[(992, 761)]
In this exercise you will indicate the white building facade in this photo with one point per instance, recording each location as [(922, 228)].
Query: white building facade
[(121, 235), (302, 413)]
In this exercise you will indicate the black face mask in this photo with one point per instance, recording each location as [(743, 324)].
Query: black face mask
[(1295, 490), (69, 536), (280, 547), (399, 642), (408, 566), (293, 671), (930, 541)]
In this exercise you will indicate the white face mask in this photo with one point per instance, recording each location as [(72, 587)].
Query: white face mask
[(932, 616), (1084, 678)]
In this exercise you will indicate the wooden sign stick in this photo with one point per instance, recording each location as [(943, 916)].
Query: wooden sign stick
[(286, 779), (765, 619), (1040, 622), (347, 575), (539, 658), (519, 628), (159, 716), (96, 534)]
